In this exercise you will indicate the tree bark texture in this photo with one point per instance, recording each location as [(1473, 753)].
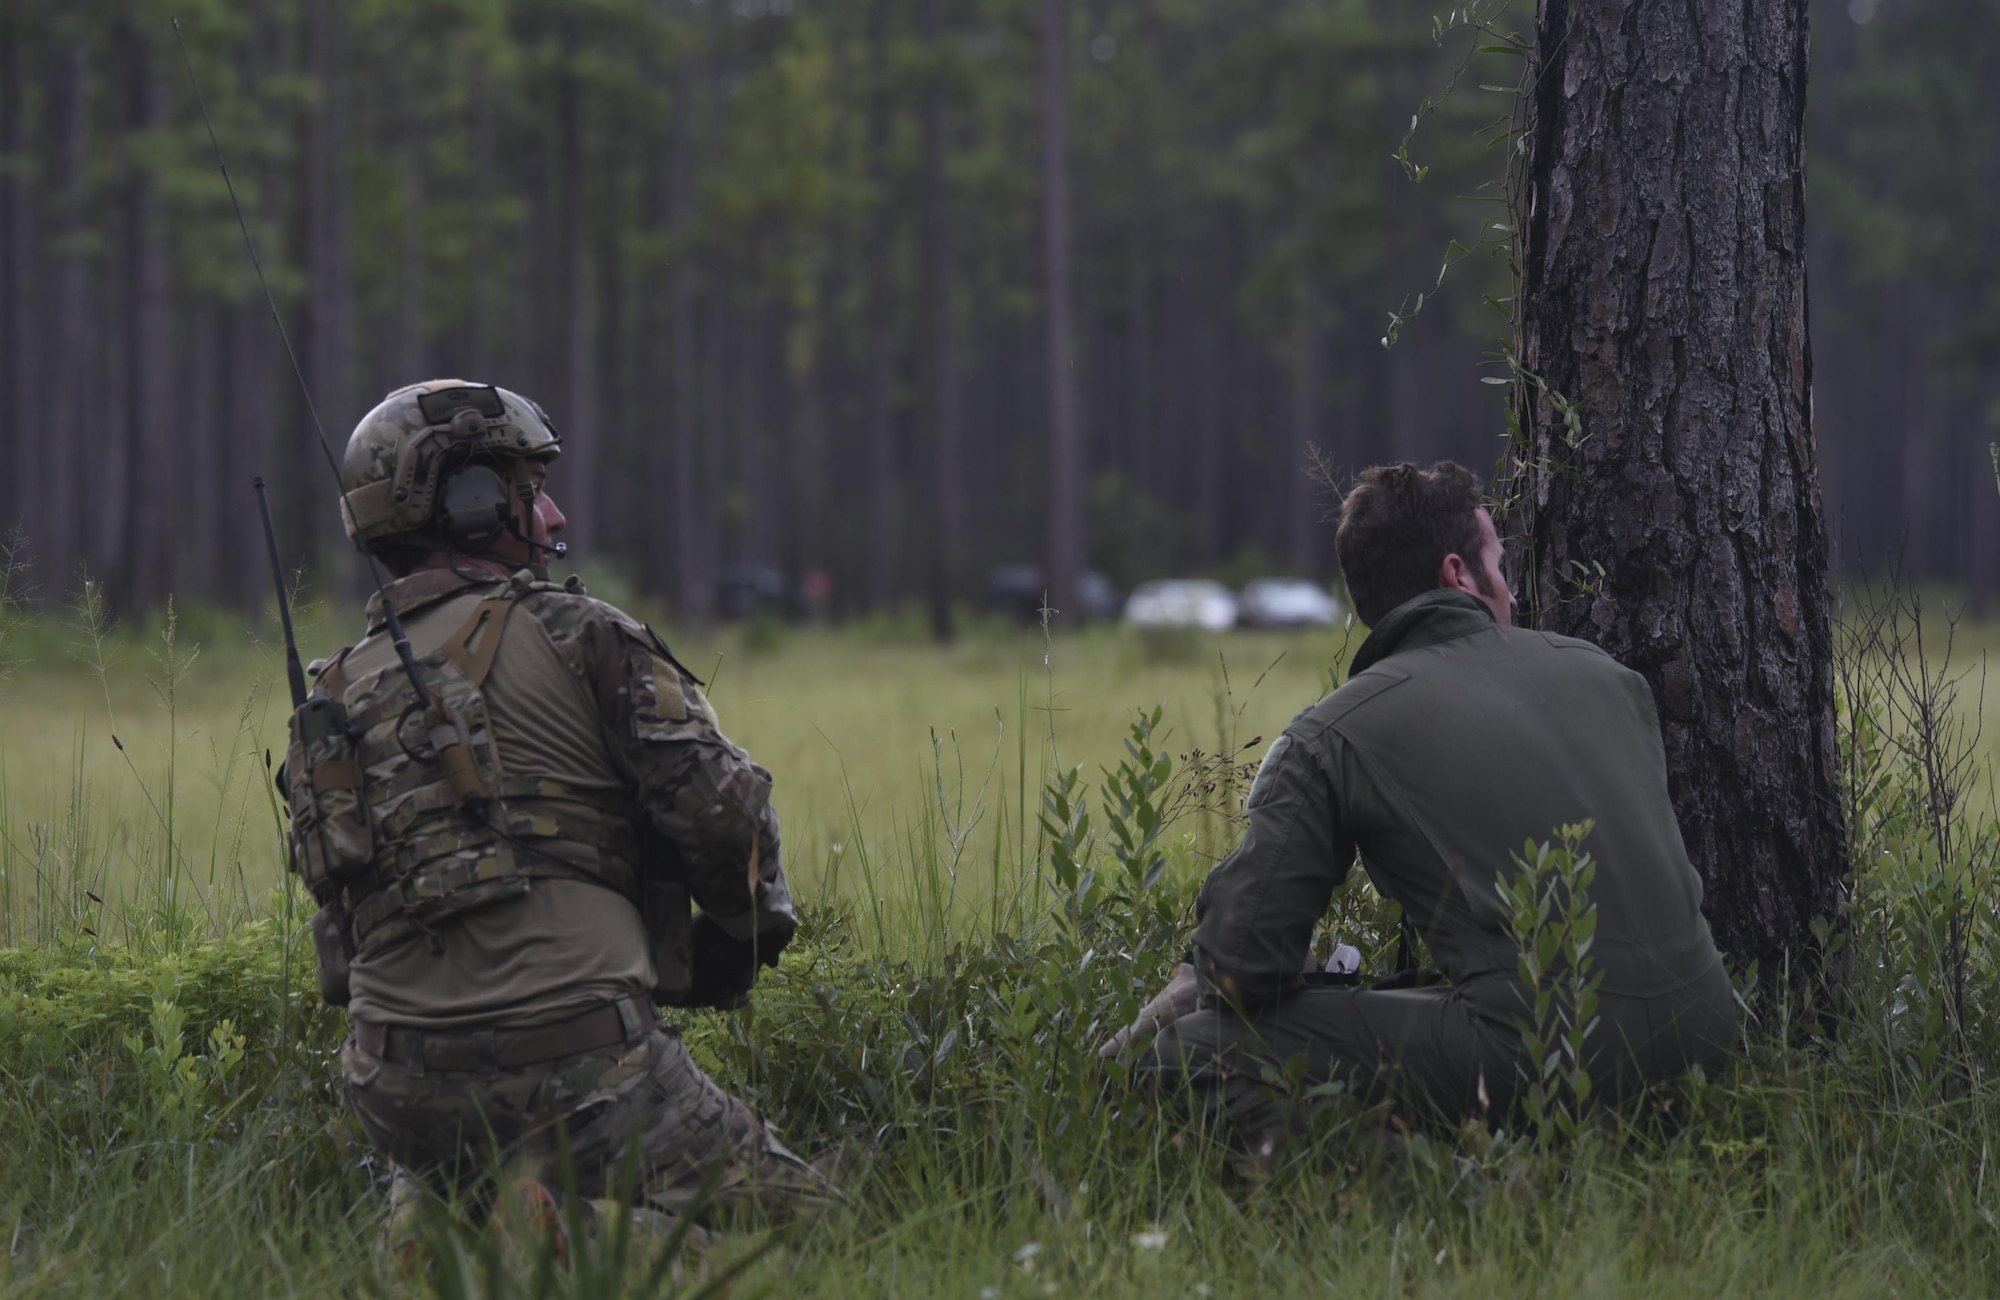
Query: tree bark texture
[(1664, 294)]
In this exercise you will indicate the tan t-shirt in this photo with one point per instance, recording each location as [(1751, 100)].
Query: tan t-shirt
[(568, 945), (561, 950)]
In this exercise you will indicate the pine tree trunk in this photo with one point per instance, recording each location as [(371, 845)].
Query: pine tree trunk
[(578, 413), (252, 371), (940, 347), (881, 579), (692, 591), (254, 368), (17, 257), (1144, 406), (749, 445), (1207, 434), (206, 472), (157, 463), (827, 476), (327, 348), (1065, 444), (781, 414), (61, 537), (1664, 295), (618, 442), (482, 302), (713, 424), (1302, 524), (107, 415), (410, 359)]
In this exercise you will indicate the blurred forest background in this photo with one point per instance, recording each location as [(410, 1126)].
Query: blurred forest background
[(793, 276)]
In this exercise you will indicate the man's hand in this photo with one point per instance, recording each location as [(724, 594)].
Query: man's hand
[(1177, 999), (725, 967)]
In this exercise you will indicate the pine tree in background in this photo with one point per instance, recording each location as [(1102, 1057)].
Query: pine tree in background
[(787, 275), (1065, 544)]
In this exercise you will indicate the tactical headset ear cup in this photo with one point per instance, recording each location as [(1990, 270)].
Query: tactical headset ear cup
[(475, 506)]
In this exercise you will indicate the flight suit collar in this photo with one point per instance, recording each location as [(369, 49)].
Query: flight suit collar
[(423, 589), (1444, 614)]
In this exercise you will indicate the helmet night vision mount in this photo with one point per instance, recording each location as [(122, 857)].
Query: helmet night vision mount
[(442, 463)]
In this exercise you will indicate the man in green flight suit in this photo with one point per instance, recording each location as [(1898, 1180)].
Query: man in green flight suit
[(1457, 739), (506, 875)]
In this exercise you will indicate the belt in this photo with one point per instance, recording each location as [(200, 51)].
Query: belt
[(489, 1047)]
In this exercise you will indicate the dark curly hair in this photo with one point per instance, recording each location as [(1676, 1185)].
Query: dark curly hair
[(1397, 524)]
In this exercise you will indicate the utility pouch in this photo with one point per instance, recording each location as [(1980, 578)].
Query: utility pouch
[(331, 828), (669, 916), (334, 954)]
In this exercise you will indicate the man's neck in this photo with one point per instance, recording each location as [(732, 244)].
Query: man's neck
[(484, 566), (1442, 613)]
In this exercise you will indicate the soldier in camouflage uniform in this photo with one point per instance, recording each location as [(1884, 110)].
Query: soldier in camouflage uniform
[(508, 874)]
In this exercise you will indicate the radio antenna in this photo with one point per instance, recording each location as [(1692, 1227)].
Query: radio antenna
[(295, 674), (395, 624)]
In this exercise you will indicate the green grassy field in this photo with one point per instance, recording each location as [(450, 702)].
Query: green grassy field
[(891, 756), (170, 1124)]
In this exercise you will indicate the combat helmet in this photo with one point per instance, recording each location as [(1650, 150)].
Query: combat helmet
[(426, 465)]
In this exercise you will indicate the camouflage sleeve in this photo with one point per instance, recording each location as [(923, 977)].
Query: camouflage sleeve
[(704, 797)]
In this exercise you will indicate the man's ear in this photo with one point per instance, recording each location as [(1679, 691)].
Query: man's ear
[(1455, 572)]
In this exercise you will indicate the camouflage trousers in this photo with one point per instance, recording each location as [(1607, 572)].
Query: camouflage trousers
[(696, 1147)]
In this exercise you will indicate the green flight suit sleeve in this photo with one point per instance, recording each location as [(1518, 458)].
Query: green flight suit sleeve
[(1259, 906), (703, 795)]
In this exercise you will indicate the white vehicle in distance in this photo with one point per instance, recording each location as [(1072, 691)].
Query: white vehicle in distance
[(1181, 602), (1286, 602)]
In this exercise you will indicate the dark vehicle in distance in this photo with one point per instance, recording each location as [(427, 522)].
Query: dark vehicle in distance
[(747, 590), (1017, 590)]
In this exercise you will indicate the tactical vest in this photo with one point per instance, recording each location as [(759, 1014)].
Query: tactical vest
[(404, 818)]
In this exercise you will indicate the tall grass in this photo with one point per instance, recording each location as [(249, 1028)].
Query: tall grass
[(972, 929)]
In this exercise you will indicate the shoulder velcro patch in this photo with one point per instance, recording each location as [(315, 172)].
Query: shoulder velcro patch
[(669, 702), (668, 655), (664, 696), (1267, 771)]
